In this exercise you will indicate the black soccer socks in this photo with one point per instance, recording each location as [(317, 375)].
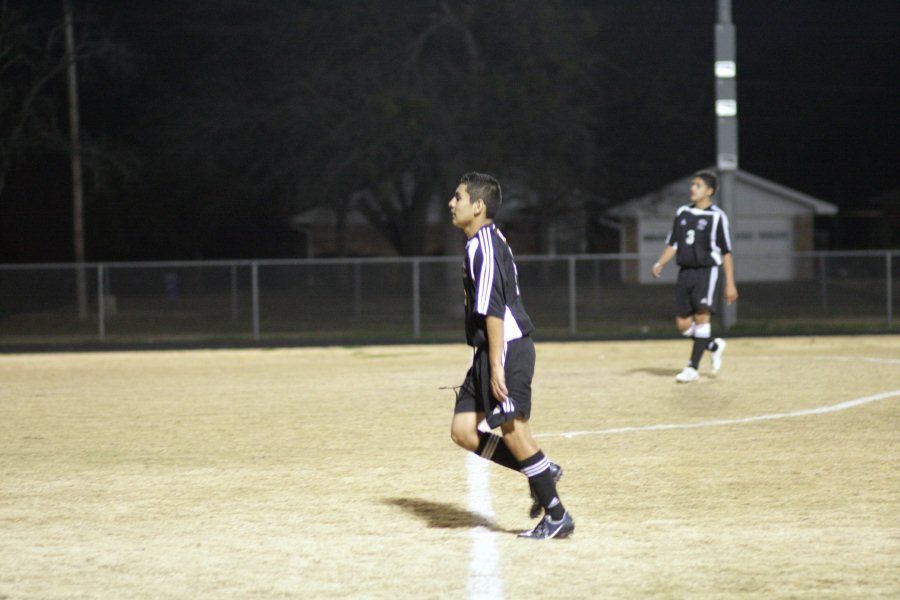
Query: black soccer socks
[(537, 469), (700, 345), (493, 448)]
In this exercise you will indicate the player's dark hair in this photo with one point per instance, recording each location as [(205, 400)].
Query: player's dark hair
[(486, 187), (710, 179)]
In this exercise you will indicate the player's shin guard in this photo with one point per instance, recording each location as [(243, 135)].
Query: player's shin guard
[(702, 333), (493, 448), (689, 332), (537, 469)]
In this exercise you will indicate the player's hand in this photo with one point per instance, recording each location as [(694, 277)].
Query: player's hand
[(656, 270), (498, 384), (731, 293)]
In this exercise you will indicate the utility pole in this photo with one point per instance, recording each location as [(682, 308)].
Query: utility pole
[(75, 157), (726, 127)]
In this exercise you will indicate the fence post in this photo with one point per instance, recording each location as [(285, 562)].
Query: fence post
[(101, 304), (357, 290), (254, 283), (417, 318), (823, 282), (234, 293), (573, 323), (890, 291)]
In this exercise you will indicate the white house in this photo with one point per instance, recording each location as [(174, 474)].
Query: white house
[(770, 222)]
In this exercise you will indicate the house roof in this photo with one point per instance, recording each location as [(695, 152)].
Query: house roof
[(663, 201), (324, 217), (438, 213)]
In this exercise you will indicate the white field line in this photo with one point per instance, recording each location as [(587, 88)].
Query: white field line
[(821, 410), (485, 582), (886, 361)]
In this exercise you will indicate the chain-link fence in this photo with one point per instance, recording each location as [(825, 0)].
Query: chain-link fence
[(415, 299)]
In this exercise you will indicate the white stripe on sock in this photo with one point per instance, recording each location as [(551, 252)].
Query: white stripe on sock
[(537, 468)]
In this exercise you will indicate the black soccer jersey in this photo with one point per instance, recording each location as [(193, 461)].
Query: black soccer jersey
[(491, 285), (701, 237)]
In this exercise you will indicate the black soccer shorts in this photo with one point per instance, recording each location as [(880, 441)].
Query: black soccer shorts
[(697, 289), (475, 393)]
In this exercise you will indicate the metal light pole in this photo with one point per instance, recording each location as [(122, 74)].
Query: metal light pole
[(75, 155), (726, 127)]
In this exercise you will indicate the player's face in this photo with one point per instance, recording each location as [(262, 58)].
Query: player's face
[(462, 209), (700, 192)]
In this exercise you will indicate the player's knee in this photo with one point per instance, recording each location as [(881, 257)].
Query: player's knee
[(464, 438), (685, 327)]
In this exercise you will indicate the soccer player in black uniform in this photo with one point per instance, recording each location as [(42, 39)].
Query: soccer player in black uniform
[(700, 241), (497, 387)]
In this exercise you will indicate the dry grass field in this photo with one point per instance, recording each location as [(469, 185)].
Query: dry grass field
[(329, 473)]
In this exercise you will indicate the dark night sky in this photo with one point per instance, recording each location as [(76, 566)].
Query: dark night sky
[(818, 88), (818, 85), (819, 95)]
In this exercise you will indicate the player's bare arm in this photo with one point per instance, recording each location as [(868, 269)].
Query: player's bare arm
[(495, 354), (731, 292), (667, 255)]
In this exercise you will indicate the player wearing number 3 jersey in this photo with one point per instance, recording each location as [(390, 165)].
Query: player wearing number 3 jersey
[(700, 243)]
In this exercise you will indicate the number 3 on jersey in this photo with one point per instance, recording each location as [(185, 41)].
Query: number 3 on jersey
[(689, 237)]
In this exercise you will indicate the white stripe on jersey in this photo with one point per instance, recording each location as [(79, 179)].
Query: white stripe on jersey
[(726, 227), (472, 250), (714, 249), (486, 281)]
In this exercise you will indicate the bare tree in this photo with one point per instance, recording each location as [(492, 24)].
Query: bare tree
[(29, 63), (465, 84), (388, 102), (32, 66)]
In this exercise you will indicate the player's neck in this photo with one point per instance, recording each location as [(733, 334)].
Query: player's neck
[(703, 203), (473, 229)]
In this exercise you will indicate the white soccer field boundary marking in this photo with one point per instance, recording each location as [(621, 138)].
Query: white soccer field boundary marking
[(821, 410), (887, 361), (484, 565)]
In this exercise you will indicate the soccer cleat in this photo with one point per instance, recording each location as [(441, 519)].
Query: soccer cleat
[(688, 375), (548, 528), (717, 354), (557, 472)]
